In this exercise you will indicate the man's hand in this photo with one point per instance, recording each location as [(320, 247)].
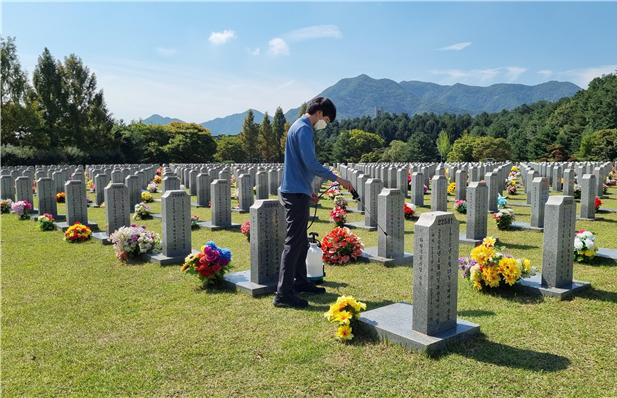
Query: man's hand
[(315, 199), (346, 184)]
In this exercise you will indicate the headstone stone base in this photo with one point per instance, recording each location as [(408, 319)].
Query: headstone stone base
[(63, 225), (238, 210), (194, 204), (519, 204), (370, 254), (350, 210), (462, 238), (585, 219), (241, 282), (525, 226), (605, 210), (361, 225), (162, 259), (533, 284), (103, 237), (394, 323), (607, 253), (208, 225)]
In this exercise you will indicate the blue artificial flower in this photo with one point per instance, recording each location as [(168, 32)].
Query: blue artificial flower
[(211, 245), (225, 254), (501, 201)]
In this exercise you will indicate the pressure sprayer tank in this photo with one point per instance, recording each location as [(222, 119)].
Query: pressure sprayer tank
[(314, 262)]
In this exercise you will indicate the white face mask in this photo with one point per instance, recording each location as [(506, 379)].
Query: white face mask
[(320, 125)]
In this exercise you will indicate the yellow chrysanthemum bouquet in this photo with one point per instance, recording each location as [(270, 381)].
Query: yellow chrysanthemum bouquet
[(488, 266), (345, 311), (451, 188)]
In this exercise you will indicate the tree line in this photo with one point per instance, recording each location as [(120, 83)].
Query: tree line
[(60, 116)]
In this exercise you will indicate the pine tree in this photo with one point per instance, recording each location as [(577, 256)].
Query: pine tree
[(250, 137), (48, 94), (267, 140), (278, 129), (283, 140), (88, 122)]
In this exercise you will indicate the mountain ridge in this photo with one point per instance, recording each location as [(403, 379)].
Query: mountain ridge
[(365, 96)]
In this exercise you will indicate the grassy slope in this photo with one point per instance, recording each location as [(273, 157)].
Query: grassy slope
[(77, 322)]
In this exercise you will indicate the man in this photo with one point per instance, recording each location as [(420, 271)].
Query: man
[(300, 168)]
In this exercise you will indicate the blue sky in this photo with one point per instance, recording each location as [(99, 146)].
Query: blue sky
[(197, 61)]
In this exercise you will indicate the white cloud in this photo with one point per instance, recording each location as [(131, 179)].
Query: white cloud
[(138, 89), (278, 46), (583, 76), (255, 51), (514, 72), (546, 73), (166, 52), (456, 46), (480, 76), (314, 32), (218, 38)]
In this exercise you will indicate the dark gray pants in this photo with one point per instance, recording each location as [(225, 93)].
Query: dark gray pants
[(293, 260)]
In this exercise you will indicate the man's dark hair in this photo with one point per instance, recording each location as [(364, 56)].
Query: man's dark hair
[(324, 105)]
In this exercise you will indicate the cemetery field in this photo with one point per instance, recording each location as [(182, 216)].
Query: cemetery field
[(78, 322)]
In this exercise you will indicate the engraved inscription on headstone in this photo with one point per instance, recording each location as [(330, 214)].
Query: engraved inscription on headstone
[(559, 232), (267, 239), (176, 223), (435, 278)]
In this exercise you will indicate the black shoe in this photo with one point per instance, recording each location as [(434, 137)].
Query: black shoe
[(309, 288), (289, 302)]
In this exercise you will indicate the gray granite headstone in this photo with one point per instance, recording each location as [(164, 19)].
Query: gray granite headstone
[(461, 184), (261, 188), (245, 192), (7, 187), (588, 197), (597, 173), (47, 196), (531, 174), (390, 218), (268, 228), (431, 322), (435, 278), (539, 196), (401, 177), (176, 223), (439, 193), (220, 203), (556, 183), (559, 231), (372, 188), (117, 206), (493, 190), (568, 182), (362, 178), (23, 189), (117, 177), (417, 189), (273, 182), (193, 182), (59, 181), (100, 182), (132, 183), (202, 183), (477, 211), (171, 183), (76, 203)]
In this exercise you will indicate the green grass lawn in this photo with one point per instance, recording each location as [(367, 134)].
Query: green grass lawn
[(77, 322)]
